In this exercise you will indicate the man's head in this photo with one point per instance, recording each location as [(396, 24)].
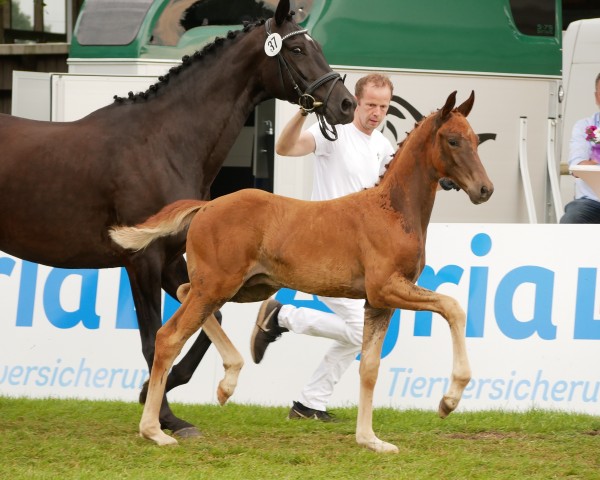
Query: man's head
[(373, 95)]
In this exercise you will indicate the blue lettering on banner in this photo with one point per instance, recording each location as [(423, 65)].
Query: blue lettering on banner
[(27, 294), (404, 383), (586, 326), (74, 376), (541, 322), (478, 287), (85, 314)]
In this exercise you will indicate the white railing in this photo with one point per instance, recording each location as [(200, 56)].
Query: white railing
[(524, 169), (553, 170)]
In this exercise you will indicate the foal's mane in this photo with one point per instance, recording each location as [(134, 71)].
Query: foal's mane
[(188, 60), (400, 145)]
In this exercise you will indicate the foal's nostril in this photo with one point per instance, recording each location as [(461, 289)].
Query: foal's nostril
[(485, 191)]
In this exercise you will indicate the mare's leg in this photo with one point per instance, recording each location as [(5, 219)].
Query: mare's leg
[(376, 324), (145, 279), (401, 293), (170, 339)]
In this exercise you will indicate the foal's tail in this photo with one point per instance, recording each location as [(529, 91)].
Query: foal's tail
[(171, 220)]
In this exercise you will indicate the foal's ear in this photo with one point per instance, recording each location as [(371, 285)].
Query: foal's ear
[(447, 108), (466, 107), (283, 8)]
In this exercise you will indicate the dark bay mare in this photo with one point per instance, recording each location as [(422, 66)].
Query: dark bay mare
[(369, 245), (64, 184)]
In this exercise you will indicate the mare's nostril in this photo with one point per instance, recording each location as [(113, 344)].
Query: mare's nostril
[(348, 105)]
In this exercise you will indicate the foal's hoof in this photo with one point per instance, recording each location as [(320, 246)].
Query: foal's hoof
[(377, 445), (160, 438), (187, 432), (445, 408), (223, 395)]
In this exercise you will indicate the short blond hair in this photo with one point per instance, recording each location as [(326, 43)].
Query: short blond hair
[(375, 79)]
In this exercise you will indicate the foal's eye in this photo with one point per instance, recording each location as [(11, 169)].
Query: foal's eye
[(453, 142)]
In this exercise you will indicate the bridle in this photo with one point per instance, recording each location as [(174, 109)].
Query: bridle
[(306, 100)]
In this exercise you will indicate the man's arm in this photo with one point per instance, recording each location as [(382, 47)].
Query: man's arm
[(293, 142)]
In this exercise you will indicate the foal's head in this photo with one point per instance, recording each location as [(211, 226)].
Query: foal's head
[(455, 150)]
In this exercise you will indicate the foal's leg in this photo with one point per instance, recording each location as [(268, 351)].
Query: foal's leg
[(170, 339), (144, 277), (403, 294), (232, 359), (376, 324), (175, 278)]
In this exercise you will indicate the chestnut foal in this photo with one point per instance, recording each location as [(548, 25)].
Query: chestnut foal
[(244, 246)]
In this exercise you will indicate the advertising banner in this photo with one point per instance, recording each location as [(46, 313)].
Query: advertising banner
[(529, 291)]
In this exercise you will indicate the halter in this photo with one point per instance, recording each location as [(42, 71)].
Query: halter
[(306, 100)]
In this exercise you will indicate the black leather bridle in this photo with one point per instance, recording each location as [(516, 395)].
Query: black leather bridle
[(306, 100)]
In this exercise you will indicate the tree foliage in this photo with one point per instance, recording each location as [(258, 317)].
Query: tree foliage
[(19, 20)]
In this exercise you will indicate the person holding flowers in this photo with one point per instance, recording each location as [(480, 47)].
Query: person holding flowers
[(584, 149)]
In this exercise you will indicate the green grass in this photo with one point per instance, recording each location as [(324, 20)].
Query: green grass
[(69, 439)]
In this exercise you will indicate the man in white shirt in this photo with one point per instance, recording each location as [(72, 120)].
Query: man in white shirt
[(585, 208), (351, 163)]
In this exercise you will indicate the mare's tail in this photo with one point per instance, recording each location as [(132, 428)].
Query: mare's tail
[(171, 220)]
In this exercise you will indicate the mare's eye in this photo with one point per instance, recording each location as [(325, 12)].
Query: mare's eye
[(297, 50), (453, 142)]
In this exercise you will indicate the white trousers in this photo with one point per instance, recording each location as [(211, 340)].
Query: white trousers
[(344, 326)]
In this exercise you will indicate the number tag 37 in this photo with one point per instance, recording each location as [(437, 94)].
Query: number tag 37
[(273, 44)]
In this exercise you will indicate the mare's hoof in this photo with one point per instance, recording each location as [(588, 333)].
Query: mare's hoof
[(187, 432)]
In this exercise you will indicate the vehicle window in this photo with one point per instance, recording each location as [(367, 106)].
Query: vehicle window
[(221, 12), (534, 17), (235, 12), (111, 22)]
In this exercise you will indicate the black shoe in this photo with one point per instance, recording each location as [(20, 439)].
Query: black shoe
[(266, 330), (299, 411)]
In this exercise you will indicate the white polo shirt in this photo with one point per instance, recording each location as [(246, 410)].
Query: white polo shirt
[(351, 163)]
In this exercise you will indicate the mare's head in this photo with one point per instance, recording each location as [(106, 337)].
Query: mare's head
[(455, 150), (296, 70)]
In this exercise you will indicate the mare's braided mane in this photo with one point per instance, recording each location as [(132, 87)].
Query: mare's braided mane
[(186, 61)]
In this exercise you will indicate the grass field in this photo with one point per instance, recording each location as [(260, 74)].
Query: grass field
[(69, 439)]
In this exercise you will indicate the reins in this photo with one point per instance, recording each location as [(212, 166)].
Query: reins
[(306, 100)]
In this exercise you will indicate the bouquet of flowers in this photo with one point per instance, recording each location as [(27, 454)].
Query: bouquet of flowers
[(592, 134)]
